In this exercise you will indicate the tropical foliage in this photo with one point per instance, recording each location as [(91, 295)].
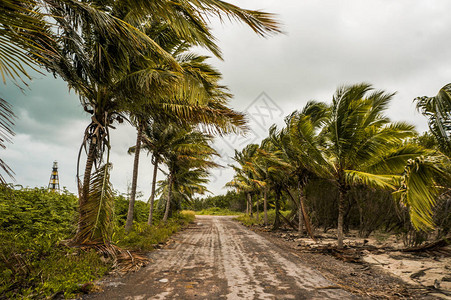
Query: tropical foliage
[(347, 145), (120, 57), (36, 264), (132, 62)]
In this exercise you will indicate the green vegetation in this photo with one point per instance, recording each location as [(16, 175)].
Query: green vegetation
[(231, 200), (216, 211), (155, 79), (338, 165), (248, 220), (347, 165), (34, 262), (144, 237), (126, 61)]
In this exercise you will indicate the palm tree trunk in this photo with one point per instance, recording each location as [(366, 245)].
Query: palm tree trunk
[(341, 212), (83, 197), (249, 200), (131, 204), (258, 212), (247, 204), (277, 208), (301, 204), (168, 202), (152, 193), (265, 205), (87, 175)]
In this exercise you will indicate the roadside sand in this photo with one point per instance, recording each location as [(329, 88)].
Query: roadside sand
[(427, 271)]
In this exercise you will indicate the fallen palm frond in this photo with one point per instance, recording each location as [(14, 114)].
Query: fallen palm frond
[(441, 246), (123, 260)]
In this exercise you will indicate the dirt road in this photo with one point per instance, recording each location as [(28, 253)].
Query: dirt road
[(217, 258)]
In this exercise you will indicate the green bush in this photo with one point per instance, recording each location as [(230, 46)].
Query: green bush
[(33, 222), (231, 200), (141, 211), (144, 237)]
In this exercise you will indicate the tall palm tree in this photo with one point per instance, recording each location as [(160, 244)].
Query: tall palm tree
[(95, 47), (158, 139), (191, 150), (6, 132), (363, 146), (425, 176), (188, 182), (249, 179), (197, 88), (278, 169), (302, 131), (25, 26)]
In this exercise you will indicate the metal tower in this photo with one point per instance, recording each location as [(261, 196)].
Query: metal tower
[(54, 184)]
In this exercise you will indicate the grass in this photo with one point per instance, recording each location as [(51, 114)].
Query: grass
[(216, 211), (33, 263), (144, 237)]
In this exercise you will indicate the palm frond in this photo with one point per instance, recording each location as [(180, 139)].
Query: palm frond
[(354, 177), (96, 222), (6, 123), (438, 112), (419, 189), (394, 160)]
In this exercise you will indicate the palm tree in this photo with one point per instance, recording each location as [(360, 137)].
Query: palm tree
[(438, 112), (279, 167), (302, 131), (241, 183), (26, 26), (188, 182), (248, 177), (6, 132), (198, 88), (425, 176), (190, 150), (88, 42), (158, 138), (363, 146)]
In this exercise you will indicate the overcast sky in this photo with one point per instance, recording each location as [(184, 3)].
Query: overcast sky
[(398, 46)]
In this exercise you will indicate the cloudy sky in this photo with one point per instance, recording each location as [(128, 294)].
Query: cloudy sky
[(401, 46)]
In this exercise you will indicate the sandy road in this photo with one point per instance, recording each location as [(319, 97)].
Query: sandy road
[(217, 258)]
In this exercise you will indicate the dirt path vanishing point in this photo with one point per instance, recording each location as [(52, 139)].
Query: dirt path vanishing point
[(217, 258)]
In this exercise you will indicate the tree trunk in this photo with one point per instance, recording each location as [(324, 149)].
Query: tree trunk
[(258, 212), (277, 213), (301, 199), (265, 205), (83, 197), (131, 204), (341, 212), (87, 176), (152, 193), (247, 204), (249, 200), (300, 221), (168, 202)]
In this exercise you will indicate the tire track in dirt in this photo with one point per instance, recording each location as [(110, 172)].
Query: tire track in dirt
[(217, 258)]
